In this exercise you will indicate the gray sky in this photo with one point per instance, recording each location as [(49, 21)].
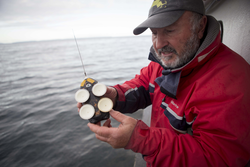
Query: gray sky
[(28, 20)]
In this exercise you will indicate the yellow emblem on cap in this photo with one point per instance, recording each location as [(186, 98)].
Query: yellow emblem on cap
[(158, 3)]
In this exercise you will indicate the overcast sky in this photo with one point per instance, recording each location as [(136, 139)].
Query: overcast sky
[(34, 20)]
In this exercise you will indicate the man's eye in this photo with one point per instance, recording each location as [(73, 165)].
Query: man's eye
[(169, 31)]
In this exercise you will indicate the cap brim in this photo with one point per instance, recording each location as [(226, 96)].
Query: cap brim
[(159, 21)]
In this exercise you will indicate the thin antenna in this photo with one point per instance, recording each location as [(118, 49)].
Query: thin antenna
[(79, 54)]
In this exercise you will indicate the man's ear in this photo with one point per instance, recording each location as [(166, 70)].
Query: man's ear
[(203, 23)]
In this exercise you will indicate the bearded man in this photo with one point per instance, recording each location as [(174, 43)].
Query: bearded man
[(194, 81)]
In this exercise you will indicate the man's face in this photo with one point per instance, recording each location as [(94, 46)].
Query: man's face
[(175, 45)]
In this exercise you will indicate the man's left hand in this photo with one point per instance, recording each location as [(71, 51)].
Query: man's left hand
[(117, 137)]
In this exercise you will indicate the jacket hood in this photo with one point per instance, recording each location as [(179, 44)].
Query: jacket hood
[(169, 81)]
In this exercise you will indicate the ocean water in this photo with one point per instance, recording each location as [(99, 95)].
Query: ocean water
[(39, 122)]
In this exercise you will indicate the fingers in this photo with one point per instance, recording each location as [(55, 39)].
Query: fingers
[(95, 128), (107, 123), (111, 93), (79, 105), (105, 139), (98, 123), (100, 130)]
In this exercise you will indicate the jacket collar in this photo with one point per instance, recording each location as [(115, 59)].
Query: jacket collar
[(170, 78)]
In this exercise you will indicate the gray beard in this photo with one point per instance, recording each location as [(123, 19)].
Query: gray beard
[(184, 57)]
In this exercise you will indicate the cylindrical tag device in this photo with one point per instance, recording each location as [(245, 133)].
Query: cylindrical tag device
[(101, 105), (82, 95), (105, 104), (87, 111), (99, 89)]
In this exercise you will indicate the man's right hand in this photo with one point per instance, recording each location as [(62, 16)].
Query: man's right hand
[(112, 94)]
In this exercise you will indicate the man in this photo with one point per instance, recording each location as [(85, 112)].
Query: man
[(194, 81)]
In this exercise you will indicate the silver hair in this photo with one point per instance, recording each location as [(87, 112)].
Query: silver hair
[(195, 21)]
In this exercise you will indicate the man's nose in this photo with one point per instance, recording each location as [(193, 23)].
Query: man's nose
[(161, 41)]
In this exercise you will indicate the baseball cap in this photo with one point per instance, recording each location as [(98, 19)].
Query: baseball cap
[(165, 12)]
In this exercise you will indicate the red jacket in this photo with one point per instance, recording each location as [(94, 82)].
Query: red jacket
[(213, 99)]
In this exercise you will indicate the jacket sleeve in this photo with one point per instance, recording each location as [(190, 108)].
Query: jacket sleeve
[(134, 94)]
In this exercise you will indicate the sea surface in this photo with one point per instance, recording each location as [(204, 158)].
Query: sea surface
[(39, 121)]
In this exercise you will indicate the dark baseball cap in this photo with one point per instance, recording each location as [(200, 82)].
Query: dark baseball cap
[(165, 12)]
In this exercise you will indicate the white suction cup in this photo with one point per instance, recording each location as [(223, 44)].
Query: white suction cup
[(99, 89), (105, 104), (87, 111), (82, 95)]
